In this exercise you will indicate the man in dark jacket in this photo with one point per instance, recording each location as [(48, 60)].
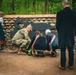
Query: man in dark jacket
[(65, 24)]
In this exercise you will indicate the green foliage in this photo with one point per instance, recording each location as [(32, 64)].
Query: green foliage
[(55, 7), (30, 6)]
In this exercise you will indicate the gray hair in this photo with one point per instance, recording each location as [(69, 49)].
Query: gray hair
[(29, 26), (47, 31), (65, 2)]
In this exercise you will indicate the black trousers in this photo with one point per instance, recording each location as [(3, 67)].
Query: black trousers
[(1, 46), (70, 56), (49, 47)]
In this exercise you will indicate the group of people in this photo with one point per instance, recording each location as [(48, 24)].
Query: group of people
[(38, 42), (41, 42), (66, 27)]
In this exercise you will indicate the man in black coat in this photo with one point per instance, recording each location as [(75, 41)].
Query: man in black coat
[(65, 24)]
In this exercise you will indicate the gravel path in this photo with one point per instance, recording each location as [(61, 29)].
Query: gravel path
[(13, 64)]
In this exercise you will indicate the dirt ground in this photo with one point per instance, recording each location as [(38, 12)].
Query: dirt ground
[(13, 64)]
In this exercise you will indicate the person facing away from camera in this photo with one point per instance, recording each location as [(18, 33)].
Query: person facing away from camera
[(21, 38), (65, 25), (52, 42), (38, 42)]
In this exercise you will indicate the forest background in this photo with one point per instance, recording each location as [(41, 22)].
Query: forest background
[(24, 7)]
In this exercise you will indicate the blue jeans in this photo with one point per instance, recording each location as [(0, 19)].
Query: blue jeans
[(70, 56)]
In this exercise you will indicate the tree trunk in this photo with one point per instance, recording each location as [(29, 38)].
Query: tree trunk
[(13, 6), (46, 7), (28, 6), (0, 4), (74, 4), (34, 5)]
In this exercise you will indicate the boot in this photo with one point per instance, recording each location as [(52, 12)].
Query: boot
[(20, 52), (33, 53), (51, 51)]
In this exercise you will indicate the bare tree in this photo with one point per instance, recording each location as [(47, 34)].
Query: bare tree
[(46, 6)]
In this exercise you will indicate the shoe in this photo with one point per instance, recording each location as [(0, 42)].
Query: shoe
[(33, 53), (53, 54), (70, 67), (24, 51), (39, 53), (50, 51), (62, 68), (1, 48), (21, 53), (36, 53)]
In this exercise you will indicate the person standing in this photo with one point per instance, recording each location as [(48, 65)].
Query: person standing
[(2, 37), (65, 24)]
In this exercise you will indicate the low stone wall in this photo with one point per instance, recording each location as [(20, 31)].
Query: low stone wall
[(9, 21)]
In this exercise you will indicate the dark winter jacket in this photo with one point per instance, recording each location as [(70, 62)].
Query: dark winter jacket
[(2, 37), (1, 33), (49, 38), (65, 24), (40, 43)]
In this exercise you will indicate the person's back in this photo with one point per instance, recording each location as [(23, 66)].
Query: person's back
[(41, 43), (67, 17), (20, 34), (49, 37), (38, 41), (65, 24)]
